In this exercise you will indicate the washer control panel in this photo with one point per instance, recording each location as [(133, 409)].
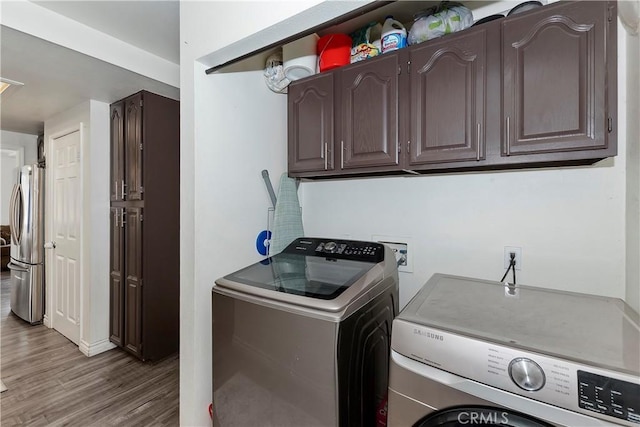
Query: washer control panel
[(609, 396), (341, 249)]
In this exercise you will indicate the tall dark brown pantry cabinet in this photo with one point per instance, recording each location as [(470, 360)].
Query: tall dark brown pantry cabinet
[(144, 219)]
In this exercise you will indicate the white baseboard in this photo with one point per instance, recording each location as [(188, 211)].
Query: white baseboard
[(95, 348), (47, 321)]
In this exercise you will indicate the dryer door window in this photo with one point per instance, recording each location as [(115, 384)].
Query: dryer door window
[(479, 416)]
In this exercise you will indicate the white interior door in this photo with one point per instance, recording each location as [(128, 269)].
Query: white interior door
[(66, 234)]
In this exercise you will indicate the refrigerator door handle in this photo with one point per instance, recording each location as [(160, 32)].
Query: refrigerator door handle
[(14, 222), (16, 267)]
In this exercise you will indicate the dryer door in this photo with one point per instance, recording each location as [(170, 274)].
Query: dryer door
[(482, 416)]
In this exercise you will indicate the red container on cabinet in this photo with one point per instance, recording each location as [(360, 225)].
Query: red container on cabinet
[(334, 50)]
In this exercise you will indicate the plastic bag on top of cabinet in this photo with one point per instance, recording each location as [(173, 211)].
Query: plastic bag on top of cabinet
[(447, 17)]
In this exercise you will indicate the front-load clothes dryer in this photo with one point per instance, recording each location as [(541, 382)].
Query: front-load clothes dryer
[(303, 338), (475, 352)]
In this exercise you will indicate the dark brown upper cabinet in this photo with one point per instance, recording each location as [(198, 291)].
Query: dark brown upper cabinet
[(117, 151), (311, 125), (368, 114), (126, 149), (555, 79), (133, 169), (530, 90), (448, 99)]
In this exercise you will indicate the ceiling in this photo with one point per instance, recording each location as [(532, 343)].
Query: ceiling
[(57, 78)]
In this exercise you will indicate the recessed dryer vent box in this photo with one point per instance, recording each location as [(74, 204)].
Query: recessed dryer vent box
[(402, 247)]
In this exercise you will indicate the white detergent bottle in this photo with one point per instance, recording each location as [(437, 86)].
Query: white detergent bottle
[(394, 35)]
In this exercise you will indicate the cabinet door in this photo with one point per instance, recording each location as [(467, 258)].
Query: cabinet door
[(448, 99), (133, 148), (369, 113), (116, 285), (311, 124), (117, 151), (555, 80), (133, 285)]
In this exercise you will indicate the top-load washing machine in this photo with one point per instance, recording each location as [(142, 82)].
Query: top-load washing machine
[(476, 352), (303, 338)]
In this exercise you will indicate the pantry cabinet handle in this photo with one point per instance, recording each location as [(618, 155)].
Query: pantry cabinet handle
[(124, 194), (341, 154), (508, 140), (326, 156), (115, 183), (478, 143), (122, 220), (117, 214)]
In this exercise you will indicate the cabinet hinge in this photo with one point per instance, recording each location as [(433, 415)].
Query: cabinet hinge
[(610, 14), (141, 146), (141, 190), (141, 102), (610, 125), (141, 218), (408, 67), (399, 70)]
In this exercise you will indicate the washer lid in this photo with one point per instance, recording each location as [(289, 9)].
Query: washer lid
[(317, 273), (589, 329), (312, 277)]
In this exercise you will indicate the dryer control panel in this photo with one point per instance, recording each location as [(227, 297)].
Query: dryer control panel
[(609, 396), (597, 393), (354, 250)]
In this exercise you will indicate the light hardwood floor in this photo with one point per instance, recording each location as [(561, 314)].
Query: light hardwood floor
[(51, 383)]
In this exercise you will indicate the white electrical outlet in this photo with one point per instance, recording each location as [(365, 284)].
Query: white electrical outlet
[(401, 247), (507, 256)]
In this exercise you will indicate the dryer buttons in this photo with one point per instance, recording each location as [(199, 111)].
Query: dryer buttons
[(526, 374)]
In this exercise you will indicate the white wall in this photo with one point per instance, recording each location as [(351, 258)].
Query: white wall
[(92, 118), (20, 149), (569, 223), (14, 140), (95, 335), (633, 171)]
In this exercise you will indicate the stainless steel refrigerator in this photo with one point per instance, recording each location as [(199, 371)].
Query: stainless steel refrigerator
[(26, 222)]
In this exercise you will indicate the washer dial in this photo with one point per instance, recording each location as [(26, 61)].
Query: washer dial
[(330, 247), (526, 374)]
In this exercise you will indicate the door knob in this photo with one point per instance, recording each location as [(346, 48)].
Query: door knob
[(50, 245)]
